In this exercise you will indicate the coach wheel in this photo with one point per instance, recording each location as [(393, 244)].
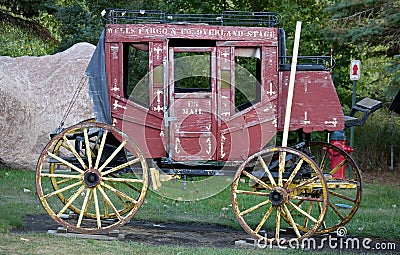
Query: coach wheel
[(344, 189), (270, 185), (95, 171)]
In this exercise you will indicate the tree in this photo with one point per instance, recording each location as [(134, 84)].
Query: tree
[(27, 8), (369, 30), (24, 14), (375, 24)]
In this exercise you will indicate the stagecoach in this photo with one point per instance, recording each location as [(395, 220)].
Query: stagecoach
[(181, 97)]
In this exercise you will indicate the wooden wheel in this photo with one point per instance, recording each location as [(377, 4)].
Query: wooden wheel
[(271, 185), (344, 193), (95, 171)]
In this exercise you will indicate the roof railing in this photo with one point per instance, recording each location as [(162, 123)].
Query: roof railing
[(226, 18)]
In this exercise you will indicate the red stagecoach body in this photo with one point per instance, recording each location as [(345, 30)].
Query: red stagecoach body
[(207, 124)]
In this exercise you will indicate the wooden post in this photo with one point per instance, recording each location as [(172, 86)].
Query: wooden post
[(282, 156), (291, 85)]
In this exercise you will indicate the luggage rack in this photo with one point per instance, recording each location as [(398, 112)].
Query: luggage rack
[(308, 63), (226, 18)]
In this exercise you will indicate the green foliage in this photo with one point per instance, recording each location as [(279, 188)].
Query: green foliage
[(78, 24), (393, 68), (368, 31), (28, 8), (373, 140), (17, 42)]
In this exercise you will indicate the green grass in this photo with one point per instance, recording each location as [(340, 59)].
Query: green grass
[(379, 214), (17, 199), (377, 217)]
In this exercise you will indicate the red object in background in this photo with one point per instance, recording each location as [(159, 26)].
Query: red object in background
[(355, 66), (339, 139)]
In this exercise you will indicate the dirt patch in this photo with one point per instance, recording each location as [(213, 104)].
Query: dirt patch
[(190, 235), (156, 233), (390, 178)]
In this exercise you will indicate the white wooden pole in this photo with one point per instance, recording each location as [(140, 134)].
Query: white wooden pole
[(291, 85), (282, 156)]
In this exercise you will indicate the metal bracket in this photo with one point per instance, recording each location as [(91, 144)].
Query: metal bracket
[(366, 106), (169, 119)]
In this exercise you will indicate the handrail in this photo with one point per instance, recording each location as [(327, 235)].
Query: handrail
[(226, 18), (322, 62)]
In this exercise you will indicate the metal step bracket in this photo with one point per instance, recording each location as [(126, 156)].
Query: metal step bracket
[(366, 106)]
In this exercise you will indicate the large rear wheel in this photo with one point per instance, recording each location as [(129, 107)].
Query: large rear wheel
[(344, 184), (270, 186)]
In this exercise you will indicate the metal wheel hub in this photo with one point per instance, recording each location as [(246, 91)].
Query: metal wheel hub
[(278, 196), (92, 178)]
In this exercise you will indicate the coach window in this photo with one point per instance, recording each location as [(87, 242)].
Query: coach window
[(136, 67), (192, 72), (247, 77)]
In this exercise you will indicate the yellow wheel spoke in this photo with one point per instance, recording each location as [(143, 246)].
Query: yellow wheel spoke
[(84, 207), (105, 208), (121, 166), (303, 212), (68, 176), (112, 156), (298, 204), (255, 179), (119, 197), (127, 184), (103, 141), (266, 170), (72, 149), (63, 189), (291, 177), (90, 200), (315, 199), (264, 218), (322, 163), (255, 208), (251, 193), (334, 208), (107, 199), (96, 207), (281, 169), (88, 150), (121, 179), (342, 196), (278, 223), (71, 200), (310, 205), (119, 193), (303, 184), (291, 221), (336, 168), (65, 180), (320, 211), (65, 162)]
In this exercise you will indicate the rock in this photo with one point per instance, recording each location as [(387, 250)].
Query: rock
[(34, 94)]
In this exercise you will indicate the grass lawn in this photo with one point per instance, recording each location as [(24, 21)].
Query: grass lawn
[(377, 217)]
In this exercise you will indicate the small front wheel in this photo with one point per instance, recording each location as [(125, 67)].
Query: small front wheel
[(94, 171)]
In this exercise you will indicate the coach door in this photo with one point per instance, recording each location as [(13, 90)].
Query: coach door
[(191, 110)]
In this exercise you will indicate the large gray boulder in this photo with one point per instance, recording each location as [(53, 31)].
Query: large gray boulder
[(34, 94)]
